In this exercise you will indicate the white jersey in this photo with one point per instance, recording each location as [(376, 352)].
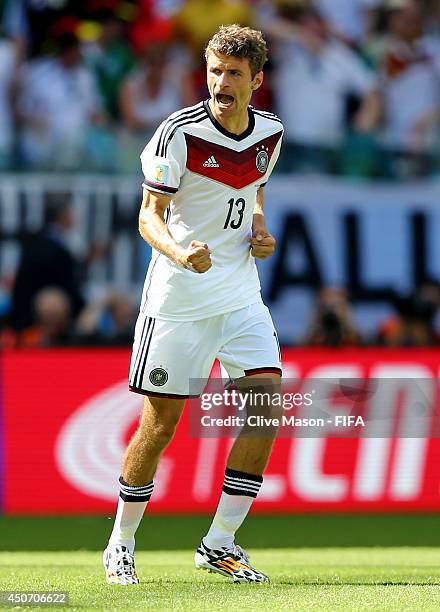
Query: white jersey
[(213, 177)]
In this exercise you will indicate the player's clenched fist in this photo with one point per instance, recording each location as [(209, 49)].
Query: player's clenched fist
[(197, 257), (262, 244)]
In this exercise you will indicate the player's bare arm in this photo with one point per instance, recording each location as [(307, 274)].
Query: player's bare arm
[(152, 228), (262, 242)]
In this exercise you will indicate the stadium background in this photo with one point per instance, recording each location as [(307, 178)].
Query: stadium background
[(353, 288)]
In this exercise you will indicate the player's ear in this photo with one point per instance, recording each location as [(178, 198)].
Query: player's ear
[(257, 80)]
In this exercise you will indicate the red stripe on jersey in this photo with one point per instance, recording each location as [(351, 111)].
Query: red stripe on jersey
[(236, 169)]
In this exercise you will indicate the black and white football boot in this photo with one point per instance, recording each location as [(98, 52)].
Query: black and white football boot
[(119, 565), (233, 563)]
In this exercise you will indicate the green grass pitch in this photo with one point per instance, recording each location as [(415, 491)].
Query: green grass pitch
[(316, 562), (304, 579)]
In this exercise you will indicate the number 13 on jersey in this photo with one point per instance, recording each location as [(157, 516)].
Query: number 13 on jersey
[(235, 213)]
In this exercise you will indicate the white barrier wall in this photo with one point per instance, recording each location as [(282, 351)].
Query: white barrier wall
[(376, 238)]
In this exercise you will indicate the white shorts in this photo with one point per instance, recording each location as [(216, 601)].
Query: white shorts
[(168, 354)]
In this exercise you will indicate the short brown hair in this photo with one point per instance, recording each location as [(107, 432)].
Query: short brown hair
[(238, 41)]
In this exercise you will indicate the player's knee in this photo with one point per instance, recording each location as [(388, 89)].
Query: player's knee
[(164, 433), (154, 437)]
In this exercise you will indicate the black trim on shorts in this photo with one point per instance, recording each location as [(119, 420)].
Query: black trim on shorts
[(157, 394), (263, 371)]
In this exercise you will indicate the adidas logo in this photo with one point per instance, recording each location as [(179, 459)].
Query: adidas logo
[(211, 162)]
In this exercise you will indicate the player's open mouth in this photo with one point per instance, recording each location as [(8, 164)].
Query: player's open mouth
[(224, 100)]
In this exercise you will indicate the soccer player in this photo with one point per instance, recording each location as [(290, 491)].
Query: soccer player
[(203, 213)]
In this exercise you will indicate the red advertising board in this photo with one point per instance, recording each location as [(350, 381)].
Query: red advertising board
[(68, 414)]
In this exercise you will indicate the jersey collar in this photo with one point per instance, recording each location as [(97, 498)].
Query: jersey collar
[(248, 131)]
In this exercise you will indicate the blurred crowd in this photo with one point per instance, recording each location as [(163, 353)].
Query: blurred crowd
[(83, 83), (414, 323), (47, 305)]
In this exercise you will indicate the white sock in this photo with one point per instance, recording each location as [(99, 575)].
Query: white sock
[(239, 491), (131, 507)]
